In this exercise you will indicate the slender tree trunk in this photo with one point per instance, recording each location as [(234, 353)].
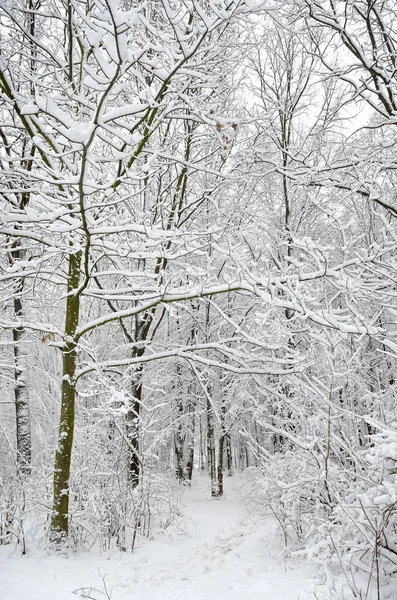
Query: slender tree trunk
[(142, 327), (21, 393), (211, 451), (247, 457), (202, 444), (190, 445), (133, 425), (184, 430), (179, 445), (190, 419), (184, 441), (221, 449), (229, 456), (180, 433), (22, 409), (59, 527)]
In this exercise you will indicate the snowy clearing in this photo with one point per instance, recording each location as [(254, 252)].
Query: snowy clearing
[(227, 553)]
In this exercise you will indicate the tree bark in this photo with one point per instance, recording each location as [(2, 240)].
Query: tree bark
[(132, 424), (22, 408), (21, 393), (184, 441), (190, 445), (59, 527), (211, 451), (229, 456), (221, 449)]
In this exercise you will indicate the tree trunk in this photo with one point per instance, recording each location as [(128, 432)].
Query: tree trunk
[(211, 453), (190, 446), (132, 425), (22, 409), (229, 456), (21, 394), (179, 434), (202, 458), (184, 441), (221, 449), (59, 527)]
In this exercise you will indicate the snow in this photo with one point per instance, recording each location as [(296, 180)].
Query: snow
[(29, 109), (221, 551)]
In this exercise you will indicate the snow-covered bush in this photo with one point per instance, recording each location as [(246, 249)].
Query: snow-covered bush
[(111, 514), (345, 523), (12, 511)]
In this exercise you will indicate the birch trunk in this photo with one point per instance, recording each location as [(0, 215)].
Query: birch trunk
[(22, 408), (21, 392), (211, 450)]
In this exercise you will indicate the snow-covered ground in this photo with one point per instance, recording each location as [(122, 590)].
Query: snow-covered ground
[(228, 553)]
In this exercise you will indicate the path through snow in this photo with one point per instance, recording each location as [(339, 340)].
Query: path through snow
[(228, 554)]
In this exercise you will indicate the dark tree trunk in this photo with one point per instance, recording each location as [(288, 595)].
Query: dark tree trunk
[(133, 424), (211, 450), (229, 456), (221, 449), (59, 527)]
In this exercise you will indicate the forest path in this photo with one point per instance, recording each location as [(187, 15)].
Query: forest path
[(228, 553)]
